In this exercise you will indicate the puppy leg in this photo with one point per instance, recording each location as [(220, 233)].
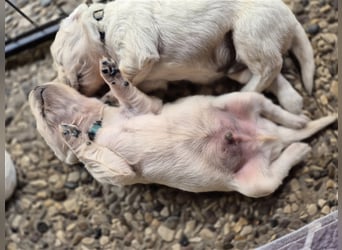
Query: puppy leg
[(103, 164), (242, 76), (134, 73), (252, 105), (149, 86), (287, 96), (129, 96), (276, 114), (257, 178), (109, 99), (263, 59)]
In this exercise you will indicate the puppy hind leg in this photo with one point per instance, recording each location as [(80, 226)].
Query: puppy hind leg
[(264, 67), (287, 96), (242, 77), (263, 179), (252, 105), (281, 116)]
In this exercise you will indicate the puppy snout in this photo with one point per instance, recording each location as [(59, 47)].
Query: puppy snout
[(38, 92), (37, 88)]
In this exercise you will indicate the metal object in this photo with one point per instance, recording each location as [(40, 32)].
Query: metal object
[(31, 38), (26, 40), (22, 13)]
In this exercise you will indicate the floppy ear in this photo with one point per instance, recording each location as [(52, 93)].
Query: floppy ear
[(76, 13), (103, 164)]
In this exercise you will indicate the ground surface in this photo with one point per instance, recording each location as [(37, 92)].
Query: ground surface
[(57, 206)]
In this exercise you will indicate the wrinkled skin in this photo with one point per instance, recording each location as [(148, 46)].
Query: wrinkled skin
[(239, 141), (153, 42)]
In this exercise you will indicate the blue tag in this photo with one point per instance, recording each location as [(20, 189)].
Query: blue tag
[(93, 130)]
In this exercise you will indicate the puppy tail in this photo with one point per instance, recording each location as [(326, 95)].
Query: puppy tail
[(312, 127), (302, 49)]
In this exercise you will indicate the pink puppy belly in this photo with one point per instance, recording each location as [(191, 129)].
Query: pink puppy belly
[(232, 143)]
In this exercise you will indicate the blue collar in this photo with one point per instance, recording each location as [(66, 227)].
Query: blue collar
[(93, 129)]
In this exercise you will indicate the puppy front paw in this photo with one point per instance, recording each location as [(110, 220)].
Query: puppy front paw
[(69, 132), (111, 74)]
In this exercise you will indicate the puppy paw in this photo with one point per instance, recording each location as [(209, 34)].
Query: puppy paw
[(300, 150), (111, 74), (299, 121), (293, 103), (71, 134), (110, 100)]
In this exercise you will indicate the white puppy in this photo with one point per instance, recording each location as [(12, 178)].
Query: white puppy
[(197, 40), (239, 141)]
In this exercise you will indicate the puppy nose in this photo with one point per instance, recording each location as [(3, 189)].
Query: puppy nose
[(37, 88)]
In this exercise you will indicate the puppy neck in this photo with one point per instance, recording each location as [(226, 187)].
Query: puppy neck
[(98, 16), (95, 126)]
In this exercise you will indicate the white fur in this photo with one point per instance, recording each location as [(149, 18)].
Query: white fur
[(185, 144), (171, 40)]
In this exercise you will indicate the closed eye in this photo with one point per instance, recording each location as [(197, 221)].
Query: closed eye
[(79, 77)]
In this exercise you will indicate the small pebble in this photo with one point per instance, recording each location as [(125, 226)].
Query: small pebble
[(59, 195), (294, 207), (165, 233), (104, 240), (42, 227), (246, 230), (206, 234), (172, 222), (330, 184), (312, 209), (238, 226), (325, 209), (287, 209), (184, 241), (88, 241), (313, 29)]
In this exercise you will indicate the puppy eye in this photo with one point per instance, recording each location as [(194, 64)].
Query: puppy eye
[(79, 77)]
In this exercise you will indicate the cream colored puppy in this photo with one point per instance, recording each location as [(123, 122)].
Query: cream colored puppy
[(239, 141), (197, 40)]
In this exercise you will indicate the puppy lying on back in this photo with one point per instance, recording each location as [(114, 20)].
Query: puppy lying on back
[(197, 40), (239, 141)]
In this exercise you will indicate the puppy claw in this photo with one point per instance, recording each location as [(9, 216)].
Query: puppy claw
[(72, 130), (113, 71), (105, 71)]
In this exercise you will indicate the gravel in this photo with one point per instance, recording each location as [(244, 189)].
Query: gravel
[(56, 206)]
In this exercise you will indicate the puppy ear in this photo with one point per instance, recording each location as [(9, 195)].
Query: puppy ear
[(76, 13), (88, 2)]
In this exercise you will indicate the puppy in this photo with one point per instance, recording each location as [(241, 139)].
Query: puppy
[(239, 141), (197, 40)]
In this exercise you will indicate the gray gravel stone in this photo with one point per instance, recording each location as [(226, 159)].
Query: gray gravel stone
[(165, 233)]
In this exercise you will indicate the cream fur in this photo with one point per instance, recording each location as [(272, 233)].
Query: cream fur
[(158, 41), (239, 141)]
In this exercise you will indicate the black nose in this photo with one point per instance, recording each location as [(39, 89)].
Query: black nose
[(38, 92), (37, 88)]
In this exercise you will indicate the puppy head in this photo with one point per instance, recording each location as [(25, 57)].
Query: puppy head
[(53, 104), (77, 49)]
